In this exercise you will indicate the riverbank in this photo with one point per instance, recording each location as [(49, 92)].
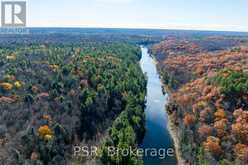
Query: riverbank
[(207, 102), (173, 130), (175, 136), (157, 134)]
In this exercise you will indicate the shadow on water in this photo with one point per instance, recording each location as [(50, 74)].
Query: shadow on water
[(157, 135)]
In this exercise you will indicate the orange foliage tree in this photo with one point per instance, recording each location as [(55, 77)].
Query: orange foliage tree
[(240, 127), (189, 119), (219, 114), (221, 127), (205, 131), (241, 152), (212, 145)]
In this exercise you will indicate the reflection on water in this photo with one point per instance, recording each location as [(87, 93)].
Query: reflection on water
[(157, 135)]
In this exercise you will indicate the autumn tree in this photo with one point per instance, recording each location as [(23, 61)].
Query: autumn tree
[(241, 152), (221, 127), (219, 114), (205, 131), (189, 119), (212, 145), (240, 127)]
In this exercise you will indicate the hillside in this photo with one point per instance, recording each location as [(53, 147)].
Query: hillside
[(54, 96), (209, 99)]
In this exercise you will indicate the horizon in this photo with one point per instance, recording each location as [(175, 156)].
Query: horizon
[(132, 28), (140, 14)]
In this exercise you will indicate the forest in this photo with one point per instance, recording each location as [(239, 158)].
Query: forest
[(57, 91), (85, 87), (208, 82)]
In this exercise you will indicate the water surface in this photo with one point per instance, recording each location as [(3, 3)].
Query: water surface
[(157, 135)]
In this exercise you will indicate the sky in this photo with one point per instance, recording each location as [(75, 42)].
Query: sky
[(224, 15)]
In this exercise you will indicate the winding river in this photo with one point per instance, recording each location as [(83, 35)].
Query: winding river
[(157, 141)]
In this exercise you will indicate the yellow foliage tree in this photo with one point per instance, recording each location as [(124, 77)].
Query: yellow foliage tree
[(11, 57), (6, 86), (18, 84), (45, 132)]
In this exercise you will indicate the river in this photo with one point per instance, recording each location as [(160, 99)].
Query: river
[(157, 140)]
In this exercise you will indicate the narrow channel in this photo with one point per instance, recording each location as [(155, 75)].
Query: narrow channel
[(157, 135)]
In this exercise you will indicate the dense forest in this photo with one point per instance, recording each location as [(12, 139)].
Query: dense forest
[(57, 91), (208, 82), (77, 87)]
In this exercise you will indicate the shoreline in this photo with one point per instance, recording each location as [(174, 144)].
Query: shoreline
[(175, 137), (173, 130)]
